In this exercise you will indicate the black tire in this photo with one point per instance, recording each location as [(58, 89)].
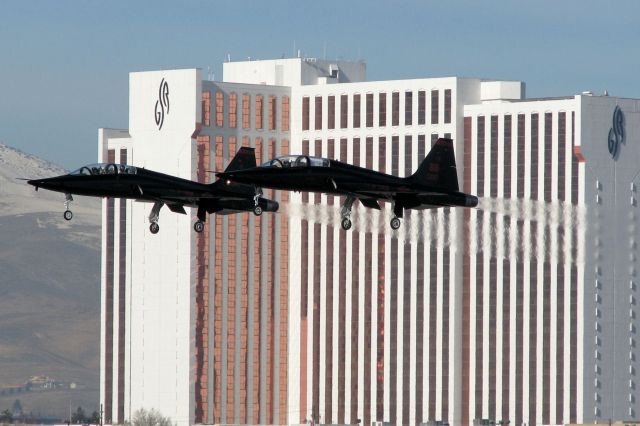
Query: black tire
[(68, 215), (257, 210), (346, 223), (395, 223), (154, 228), (198, 226)]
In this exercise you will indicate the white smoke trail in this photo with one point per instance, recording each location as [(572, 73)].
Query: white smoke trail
[(517, 228), (554, 228), (416, 226)]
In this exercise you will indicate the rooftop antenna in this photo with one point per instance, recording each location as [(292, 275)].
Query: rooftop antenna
[(228, 57), (210, 76)]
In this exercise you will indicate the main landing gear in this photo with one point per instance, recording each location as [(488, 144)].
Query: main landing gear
[(397, 215), (345, 213), (68, 215), (154, 216), (202, 217), (257, 210)]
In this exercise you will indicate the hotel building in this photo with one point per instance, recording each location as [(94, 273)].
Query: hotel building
[(524, 309)]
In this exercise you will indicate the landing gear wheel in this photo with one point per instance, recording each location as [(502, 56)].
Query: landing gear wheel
[(198, 226), (154, 228), (395, 223), (346, 223), (67, 215), (257, 210)]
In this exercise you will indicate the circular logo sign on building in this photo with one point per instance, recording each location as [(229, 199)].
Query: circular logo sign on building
[(162, 104), (616, 133)]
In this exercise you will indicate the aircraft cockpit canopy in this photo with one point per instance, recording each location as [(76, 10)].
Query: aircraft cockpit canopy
[(104, 169), (287, 161)]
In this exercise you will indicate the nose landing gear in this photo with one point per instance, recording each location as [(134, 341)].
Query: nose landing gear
[(68, 215)]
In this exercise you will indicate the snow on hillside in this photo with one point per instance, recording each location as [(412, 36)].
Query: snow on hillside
[(18, 197)]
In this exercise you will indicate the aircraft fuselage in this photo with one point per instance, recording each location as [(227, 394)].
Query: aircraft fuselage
[(145, 185), (344, 179)]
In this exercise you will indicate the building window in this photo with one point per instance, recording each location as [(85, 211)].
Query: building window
[(233, 110), (395, 160), (480, 149), (395, 108), (331, 113), (548, 140), (408, 108), (318, 122), (272, 112), (356, 111), (305, 113), (382, 109), (246, 100), (520, 156), (369, 109), (507, 156), (219, 109), (534, 156), (447, 106), (435, 110), (421, 106), (493, 179), (344, 111), (285, 114), (259, 111), (206, 108)]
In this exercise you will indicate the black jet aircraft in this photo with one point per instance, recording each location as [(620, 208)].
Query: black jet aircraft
[(123, 181), (433, 185)]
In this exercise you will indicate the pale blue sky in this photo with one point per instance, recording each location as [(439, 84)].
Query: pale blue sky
[(64, 64)]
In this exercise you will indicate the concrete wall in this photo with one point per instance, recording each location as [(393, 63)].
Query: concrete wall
[(161, 265), (611, 255), (294, 72)]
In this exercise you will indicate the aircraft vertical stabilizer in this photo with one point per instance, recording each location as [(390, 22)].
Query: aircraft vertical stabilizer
[(245, 158), (438, 169)]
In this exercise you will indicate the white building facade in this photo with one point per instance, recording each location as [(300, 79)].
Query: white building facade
[(521, 310)]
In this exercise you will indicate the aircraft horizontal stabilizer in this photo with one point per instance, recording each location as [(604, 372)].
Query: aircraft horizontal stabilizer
[(177, 208), (371, 203)]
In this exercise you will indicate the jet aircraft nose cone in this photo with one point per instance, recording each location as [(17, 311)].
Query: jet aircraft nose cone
[(50, 183)]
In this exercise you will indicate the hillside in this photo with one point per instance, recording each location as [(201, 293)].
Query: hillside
[(49, 289)]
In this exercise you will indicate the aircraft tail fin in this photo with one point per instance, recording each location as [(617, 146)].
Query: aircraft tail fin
[(438, 169), (245, 158)]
